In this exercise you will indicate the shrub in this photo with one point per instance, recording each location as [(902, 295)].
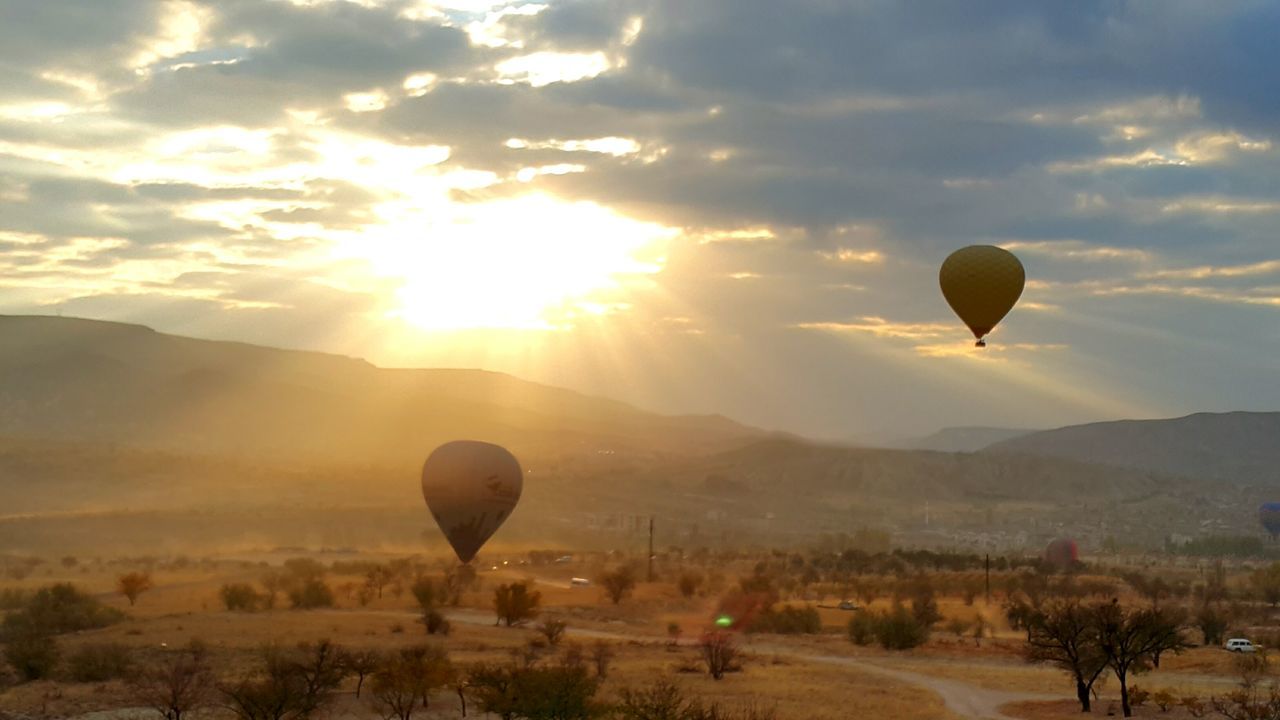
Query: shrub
[(435, 622), (689, 583), (1138, 696), (862, 628), (553, 630), (100, 662), (1194, 706), (900, 629), (1163, 700), (240, 597), (311, 593), (33, 656), (601, 656), (58, 609), (788, 621), (719, 653), (618, 583)]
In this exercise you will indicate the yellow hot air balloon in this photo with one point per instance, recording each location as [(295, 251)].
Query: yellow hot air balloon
[(981, 284), (471, 488)]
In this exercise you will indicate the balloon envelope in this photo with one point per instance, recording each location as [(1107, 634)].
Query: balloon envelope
[(1269, 514), (1062, 553), (981, 284), (470, 488)]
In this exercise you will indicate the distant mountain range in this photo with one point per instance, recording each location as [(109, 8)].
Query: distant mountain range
[(1235, 447), (962, 439), (102, 424), (68, 379)]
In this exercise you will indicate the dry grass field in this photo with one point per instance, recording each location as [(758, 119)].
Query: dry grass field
[(802, 677)]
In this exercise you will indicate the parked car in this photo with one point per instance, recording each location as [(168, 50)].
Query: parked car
[(847, 605), (1240, 645), (580, 582)]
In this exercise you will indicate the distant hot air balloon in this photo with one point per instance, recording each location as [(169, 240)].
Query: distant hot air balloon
[(1062, 553), (470, 488), (981, 284), (1269, 514)]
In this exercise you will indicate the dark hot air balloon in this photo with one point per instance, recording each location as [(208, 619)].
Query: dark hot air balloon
[(1269, 514), (471, 488), (1062, 554), (981, 284)]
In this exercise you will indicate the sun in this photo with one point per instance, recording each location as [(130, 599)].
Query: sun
[(528, 262)]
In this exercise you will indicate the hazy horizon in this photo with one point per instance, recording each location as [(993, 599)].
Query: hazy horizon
[(715, 208)]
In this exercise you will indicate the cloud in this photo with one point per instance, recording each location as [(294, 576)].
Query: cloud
[(209, 166)]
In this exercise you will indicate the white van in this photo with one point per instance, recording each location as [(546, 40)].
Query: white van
[(1240, 645), (579, 582)]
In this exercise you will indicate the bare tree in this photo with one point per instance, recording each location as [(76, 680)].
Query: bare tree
[(719, 653), (552, 630), (361, 663), (289, 686), (405, 682), (133, 584), (1130, 639), (1063, 633), (177, 685)]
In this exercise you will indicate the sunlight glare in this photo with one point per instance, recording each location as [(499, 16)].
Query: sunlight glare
[(527, 262)]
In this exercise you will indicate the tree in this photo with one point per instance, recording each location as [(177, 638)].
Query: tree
[(1130, 639), (288, 685), (311, 593), (719, 653), (900, 629), (1266, 582), (133, 584), (601, 655), (361, 663), (552, 630), (377, 578), (689, 583), (1212, 622), (457, 580), (1063, 633), (274, 583), (407, 679), (240, 597), (618, 583), (177, 685), (515, 603)]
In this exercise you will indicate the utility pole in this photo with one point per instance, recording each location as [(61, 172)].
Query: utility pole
[(650, 548), (987, 566)]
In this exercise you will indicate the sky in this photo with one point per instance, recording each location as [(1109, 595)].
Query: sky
[(720, 206)]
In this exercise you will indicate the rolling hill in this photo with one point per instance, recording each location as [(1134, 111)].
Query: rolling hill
[(87, 381), (1235, 448)]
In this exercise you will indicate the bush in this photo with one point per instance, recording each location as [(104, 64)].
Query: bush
[(1163, 700), (33, 656), (100, 662), (436, 623), (58, 609), (618, 583), (553, 630), (862, 628), (240, 597), (311, 593), (1138, 696), (689, 583), (900, 629), (788, 621)]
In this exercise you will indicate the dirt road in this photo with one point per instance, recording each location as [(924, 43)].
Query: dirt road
[(963, 699)]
